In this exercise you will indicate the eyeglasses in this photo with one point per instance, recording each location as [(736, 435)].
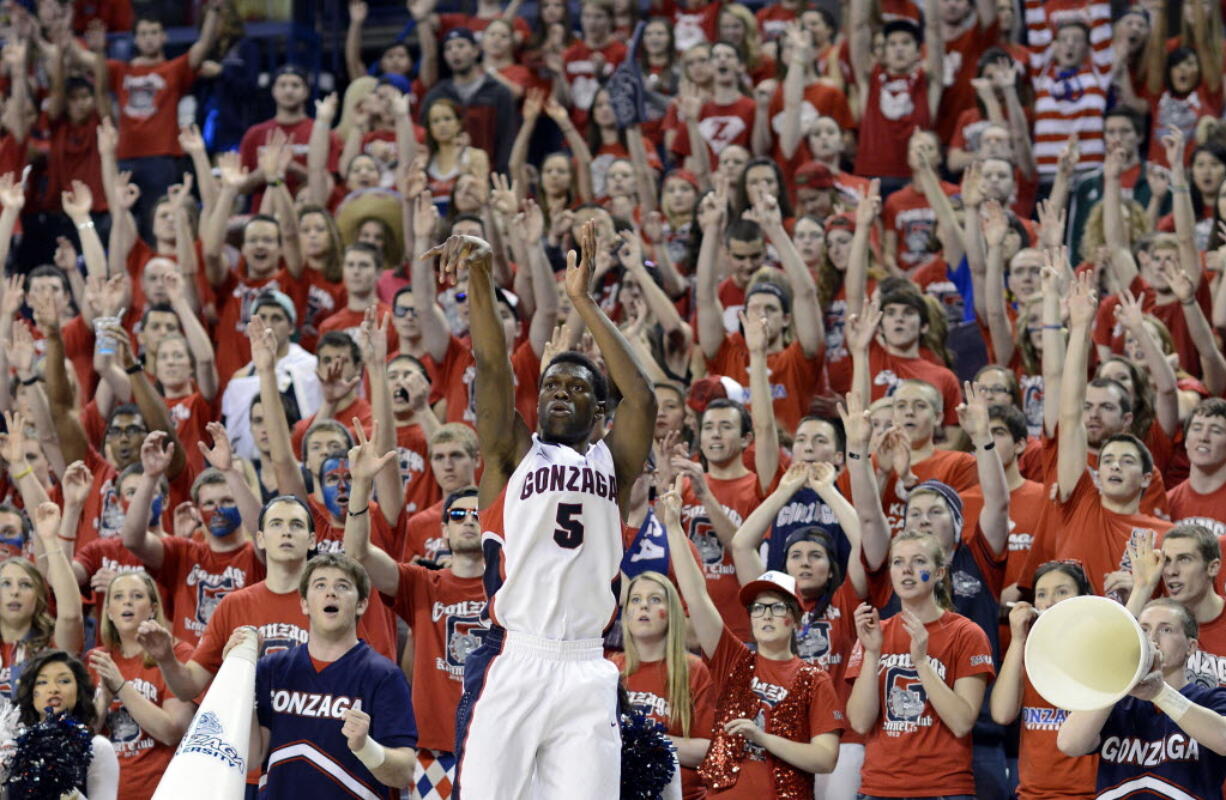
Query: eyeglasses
[(458, 514), (130, 430), (776, 609), (404, 311)]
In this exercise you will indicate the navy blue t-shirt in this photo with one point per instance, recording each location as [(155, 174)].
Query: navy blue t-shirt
[(304, 713), (1143, 754), (804, 510)]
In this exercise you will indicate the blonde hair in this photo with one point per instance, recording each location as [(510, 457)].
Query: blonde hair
[(680, 705), (354, 94), (751, 49), (107, 631), (1136, 225), (942, 590)]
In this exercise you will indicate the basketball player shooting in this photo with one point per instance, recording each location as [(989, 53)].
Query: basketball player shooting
[(539, 712)]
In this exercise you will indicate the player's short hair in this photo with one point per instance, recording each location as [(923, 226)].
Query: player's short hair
[(936, 399), (341, 340), (369, 249), (458, 495), (1188, 622), (1112, 383), (1207, 544), (724, 402), (288, 498), (836, 426), (326, 425), (355, 571), (457, 433), (600, 386), (1069, 568), (910, 299), (1147, 458), (1013, 419), (210, 477), (743, 230)]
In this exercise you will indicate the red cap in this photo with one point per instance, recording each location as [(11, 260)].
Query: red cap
[(713, 387), (814, 175), (840, 222), (683, 174)]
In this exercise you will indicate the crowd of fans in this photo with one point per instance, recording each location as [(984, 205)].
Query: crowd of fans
[(930, 294)]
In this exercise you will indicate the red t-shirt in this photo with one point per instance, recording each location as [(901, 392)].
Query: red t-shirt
[(819, 98), (895, 107), (423, 534), (952, 467), (739, 497), (909, 216), (191, 413), (647, 688), (200, 579), (315, 299), (299, 135), (1187, 505), (148, 100), (795, 378), (74, 156), (772, 682), (1109, 333), (413, 455), (1044, 772), (235, 299), (349, 321), (444, 613), (720, 126), (1207, 663), (887, 370), (910, 752), (142, 758), (1102, 536), (1025, 506), (359, 408), (579, 69), (961, 65)]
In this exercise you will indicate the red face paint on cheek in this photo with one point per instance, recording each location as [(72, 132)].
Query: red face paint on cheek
[(662, 612)]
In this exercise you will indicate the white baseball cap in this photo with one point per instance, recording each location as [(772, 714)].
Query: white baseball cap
[(770, 581)]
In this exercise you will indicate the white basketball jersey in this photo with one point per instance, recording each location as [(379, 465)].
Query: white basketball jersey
[(560, 533)]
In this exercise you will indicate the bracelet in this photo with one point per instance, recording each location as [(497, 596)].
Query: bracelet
[(853, 456), (372, 753), (64, 538), (1172, 703), (28, 470), (120, 689), (135, 368), (30, 381), (275, 183), (359, 513), (1190, 302), (989, 446), (1179, 190), (1052, 327), (85, 225)]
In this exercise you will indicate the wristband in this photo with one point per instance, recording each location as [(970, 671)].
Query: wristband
[(31, 381), (1179, 190), (85, 225), (135, 368), (372, 753), (22, 474), (359, 513), (989, 446), (1190, 302), (64, 538), (1172, 703), (853, 456), (276, 182), (1052, 327)]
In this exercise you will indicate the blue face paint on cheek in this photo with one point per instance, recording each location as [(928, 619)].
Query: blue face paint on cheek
[(924, 575)]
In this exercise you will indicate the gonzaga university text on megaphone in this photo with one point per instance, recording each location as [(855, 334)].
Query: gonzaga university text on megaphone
[(211, 762), (1086, 653)]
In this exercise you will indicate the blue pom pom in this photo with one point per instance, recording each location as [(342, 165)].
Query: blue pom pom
[(647, 757), (50, 759)]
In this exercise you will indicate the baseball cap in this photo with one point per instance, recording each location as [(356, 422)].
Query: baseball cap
[(398, 81), (713, 387), (770, 581), (768, 287), (292, 69), (840, 222), (459, 33), (274, 297), (814, 175)]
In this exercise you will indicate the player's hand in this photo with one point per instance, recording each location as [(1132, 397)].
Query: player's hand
[(868, 628), (356, 727), (155, 640), (458, 251), (746, 728), (110, 676), (919, 636), (1021, 617)]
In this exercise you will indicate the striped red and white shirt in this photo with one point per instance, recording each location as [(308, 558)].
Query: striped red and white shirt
[(1043, 17), (1066, 101)]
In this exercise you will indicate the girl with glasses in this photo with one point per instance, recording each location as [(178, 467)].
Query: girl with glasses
[(777, 718)]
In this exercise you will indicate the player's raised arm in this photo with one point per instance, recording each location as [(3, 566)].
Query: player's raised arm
[(630, 441), (503, 435)]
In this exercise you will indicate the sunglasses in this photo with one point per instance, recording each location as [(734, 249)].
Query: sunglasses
[(458, 514), (404, 311)]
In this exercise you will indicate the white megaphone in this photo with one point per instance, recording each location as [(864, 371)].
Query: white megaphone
[(211, 762), (1086, 653)]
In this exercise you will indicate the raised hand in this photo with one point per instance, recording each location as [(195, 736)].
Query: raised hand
[(1070, 155), (221, 454), (580, 271), (76, 483), (860, 329), (19, 349), (112, 679), (868, 628), (711, 213), (856, 423), (263, 345), (756, 337), (357, 11), (47, 522), (502, 195), (156, 453), (534, 103), (531, 221), (77, 201), (190, 139), (1159, 179), (668, 504), (325, 109), (274, 156), (994, 223), (462, 251), (425, 217), (1051, 224), (1083, 300), (108, 136), (555, 110), (126, 192), (1173, 146), (155, 640), (765, 212), (1178, 280), (973, 415), (1129, 313), (1147, 562), (233, 173), (869, 205), (365, 460), (334, 384), (12, 192), (186, 520)]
